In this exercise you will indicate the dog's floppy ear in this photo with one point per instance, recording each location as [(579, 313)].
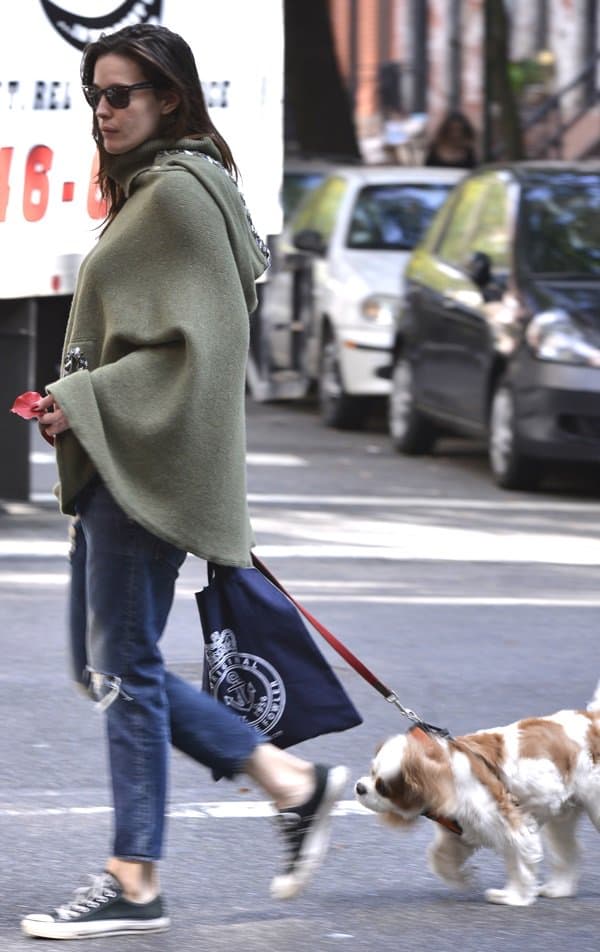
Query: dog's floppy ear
[(427, 743), (427, 770)]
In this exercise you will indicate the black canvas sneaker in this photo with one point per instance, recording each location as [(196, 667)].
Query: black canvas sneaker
[(99, 909), (305, 830)]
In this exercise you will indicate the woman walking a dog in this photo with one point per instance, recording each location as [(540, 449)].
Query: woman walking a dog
[(148, 420)]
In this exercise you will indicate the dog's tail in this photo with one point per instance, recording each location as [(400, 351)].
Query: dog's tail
[(594, 704)]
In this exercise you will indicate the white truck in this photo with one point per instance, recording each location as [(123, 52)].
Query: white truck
[(50, 209)]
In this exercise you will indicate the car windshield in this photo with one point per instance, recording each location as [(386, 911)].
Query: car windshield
[(561, 224), (394, 217)]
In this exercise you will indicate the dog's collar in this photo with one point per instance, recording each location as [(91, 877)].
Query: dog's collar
[(453, 825)]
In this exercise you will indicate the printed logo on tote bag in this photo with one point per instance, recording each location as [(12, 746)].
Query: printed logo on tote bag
[(249, 685)]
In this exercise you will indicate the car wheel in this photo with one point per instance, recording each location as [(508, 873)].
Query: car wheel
[(510, 467), (337, 408), (410, 431)]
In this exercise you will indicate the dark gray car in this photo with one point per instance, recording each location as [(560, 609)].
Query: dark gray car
[(499, 332)]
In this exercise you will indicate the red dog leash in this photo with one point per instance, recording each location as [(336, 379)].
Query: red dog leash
[(351, 658), (420, 728)]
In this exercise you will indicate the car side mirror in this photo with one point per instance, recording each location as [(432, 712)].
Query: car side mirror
[(479, 268), (309, 239)]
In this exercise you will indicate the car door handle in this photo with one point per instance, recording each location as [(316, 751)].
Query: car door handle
[(449, 304)]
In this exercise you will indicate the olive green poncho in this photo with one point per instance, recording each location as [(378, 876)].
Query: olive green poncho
[(160, 313)]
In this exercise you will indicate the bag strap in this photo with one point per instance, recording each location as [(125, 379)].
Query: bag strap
[(348, 656)]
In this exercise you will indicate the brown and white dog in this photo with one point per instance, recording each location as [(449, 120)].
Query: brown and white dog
[(506, 788)]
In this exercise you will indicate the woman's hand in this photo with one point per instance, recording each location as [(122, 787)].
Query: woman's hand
[(52, 419)]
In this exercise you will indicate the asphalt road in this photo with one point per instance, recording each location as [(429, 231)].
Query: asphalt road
[(475, 605)]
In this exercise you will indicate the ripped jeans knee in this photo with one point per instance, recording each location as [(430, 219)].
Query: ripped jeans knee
[(103, 688)]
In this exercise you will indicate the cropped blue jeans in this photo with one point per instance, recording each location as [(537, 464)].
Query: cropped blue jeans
[(122, 588)]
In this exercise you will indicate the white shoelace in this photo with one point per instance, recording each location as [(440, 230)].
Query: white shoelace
[(89, 897)]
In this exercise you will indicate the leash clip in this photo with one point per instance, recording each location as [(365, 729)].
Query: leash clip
[(417, 721), (412, 716)]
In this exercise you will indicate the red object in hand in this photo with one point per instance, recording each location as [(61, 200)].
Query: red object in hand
[(23, 407), (24, 404)]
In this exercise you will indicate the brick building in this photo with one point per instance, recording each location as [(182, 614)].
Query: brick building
[(407, 59)]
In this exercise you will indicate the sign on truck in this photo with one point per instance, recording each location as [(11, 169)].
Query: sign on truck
[(50, 208)]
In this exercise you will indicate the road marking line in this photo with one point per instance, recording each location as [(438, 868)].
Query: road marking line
[(551, 505), (216, 810), (44, 548), (274, 459), (407, 543), (41, 579), (426, 502), (449, 600), (253, 459), (543, 550), (61, 580)]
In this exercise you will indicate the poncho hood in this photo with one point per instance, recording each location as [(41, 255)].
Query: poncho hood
[(158, 154), (159, 328)]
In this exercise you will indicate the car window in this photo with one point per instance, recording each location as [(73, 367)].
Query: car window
[(454, 239), (319, 211), (393, 217), (561, 223), (296, 186), (438, 225), (491, 233)]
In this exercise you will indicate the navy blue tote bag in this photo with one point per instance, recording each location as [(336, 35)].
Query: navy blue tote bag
[(261, 661)]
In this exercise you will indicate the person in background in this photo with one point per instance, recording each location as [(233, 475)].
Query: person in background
[(453, 145), (149, 427)]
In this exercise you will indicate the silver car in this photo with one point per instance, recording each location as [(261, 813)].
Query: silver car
[(327, 310)]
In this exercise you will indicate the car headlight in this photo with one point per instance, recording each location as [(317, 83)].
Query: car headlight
[(380, 308), (553, 335)]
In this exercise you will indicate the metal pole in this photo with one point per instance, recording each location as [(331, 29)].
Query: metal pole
[(17, 349)]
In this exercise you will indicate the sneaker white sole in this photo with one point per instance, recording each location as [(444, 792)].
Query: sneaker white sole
[(43, 928), (315, 843)]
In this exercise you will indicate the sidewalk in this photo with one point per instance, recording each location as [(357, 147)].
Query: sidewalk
[(30, 520), (40, 516)]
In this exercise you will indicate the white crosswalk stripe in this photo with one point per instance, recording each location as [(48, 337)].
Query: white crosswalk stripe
[(216, 810)]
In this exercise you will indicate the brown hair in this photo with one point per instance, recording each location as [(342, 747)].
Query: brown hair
[(455, 118), (166, 61)]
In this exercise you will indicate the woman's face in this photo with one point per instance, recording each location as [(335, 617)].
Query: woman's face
[(125, 129), (455, 131)]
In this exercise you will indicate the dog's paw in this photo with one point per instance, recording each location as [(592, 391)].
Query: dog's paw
[(458, 880), (558, 889), (455, 876), (508, 897)]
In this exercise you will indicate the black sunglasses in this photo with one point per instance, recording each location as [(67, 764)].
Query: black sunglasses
[(116, 96)]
